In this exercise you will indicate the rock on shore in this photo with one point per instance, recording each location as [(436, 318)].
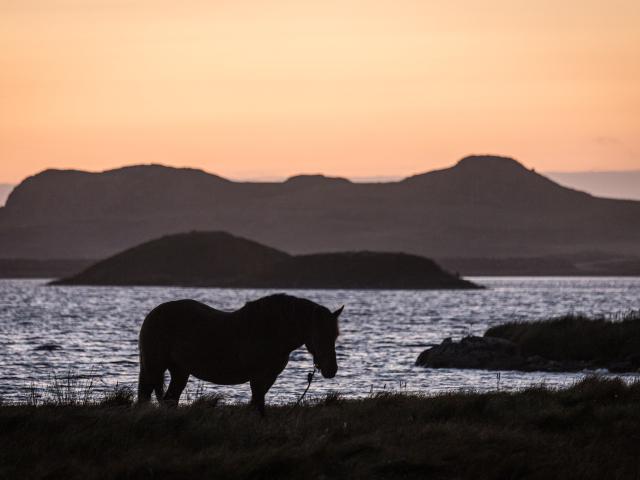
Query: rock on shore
[(490, 353)]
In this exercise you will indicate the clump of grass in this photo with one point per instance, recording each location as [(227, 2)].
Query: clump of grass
[(120, 396), (73, 390), (31, 396), (207, 400), (331, 398), (577, 338), (69, 389)]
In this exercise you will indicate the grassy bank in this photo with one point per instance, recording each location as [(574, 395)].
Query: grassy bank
[(600, 341), (589, 431)]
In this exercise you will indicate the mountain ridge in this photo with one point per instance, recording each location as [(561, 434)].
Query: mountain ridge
[(481, 206)]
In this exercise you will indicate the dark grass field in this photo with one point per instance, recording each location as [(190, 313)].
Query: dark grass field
[(588, 431)]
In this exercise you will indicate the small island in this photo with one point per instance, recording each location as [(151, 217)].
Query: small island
[(571, 343), (219, 259)]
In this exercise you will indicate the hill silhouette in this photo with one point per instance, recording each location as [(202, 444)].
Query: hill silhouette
[(218, 259), (484, 206)]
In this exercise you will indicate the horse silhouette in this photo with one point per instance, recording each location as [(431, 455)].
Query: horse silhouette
[(251, 344)]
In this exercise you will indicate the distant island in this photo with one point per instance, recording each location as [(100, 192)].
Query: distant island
[(587, 264), (219, 259)]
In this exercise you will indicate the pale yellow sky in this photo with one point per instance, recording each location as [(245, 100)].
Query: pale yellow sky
[(251, 89)]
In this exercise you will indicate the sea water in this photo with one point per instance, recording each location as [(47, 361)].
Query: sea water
[(91, 333)]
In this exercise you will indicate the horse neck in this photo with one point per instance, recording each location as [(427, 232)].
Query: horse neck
[(294, 326), (288, 325)]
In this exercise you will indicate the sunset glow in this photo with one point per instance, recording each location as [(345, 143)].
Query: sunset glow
[(254, 89)]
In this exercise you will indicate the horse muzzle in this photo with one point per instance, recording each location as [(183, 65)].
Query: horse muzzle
[(328, 368), (329, 372)]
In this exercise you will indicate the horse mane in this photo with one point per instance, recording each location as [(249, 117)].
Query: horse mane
[(279, 301), (277, 306)]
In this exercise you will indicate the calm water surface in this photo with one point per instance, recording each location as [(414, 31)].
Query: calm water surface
[(382, 332)]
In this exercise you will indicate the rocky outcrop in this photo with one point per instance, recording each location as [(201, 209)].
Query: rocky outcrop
[(473, 352), (490, 353)]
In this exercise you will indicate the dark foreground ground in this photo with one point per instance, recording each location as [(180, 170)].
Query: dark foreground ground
[(589, 431)]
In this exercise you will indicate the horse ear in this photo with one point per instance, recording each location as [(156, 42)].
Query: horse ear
[(337, 313)]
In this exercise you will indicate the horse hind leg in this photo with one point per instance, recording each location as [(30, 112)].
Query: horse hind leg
[(179, 379), (150, 380)]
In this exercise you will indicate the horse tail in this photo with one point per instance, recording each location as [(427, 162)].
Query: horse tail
[(158, 388), (152, 363), (150, 382)]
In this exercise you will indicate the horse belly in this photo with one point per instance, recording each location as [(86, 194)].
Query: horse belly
[(222, 377), (217, 365)]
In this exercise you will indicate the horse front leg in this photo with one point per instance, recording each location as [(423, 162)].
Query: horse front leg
[(260, 385)]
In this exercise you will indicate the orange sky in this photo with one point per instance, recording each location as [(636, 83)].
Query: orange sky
[(251, 89)]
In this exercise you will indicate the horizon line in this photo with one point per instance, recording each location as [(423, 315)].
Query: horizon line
[(282, 178)]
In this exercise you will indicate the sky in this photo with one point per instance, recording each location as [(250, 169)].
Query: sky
[(266, 89)]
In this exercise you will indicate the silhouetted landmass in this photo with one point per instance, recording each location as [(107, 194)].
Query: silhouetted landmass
[(29, 268), (218, 259), (570, 343), (374, 270), (483, 207), (585, 264), (588, 264), (190, 259), (588, 431)]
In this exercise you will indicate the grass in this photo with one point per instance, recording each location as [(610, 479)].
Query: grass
[(577, 338), (72, 389), (588, 431)]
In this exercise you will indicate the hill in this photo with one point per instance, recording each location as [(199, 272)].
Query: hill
[(218, 259), (482, 207)]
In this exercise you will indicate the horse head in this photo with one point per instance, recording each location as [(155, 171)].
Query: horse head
[(322, 341)]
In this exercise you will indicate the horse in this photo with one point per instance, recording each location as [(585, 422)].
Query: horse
[(251, 344)]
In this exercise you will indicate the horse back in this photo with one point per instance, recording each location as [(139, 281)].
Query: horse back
[(185, 318)]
